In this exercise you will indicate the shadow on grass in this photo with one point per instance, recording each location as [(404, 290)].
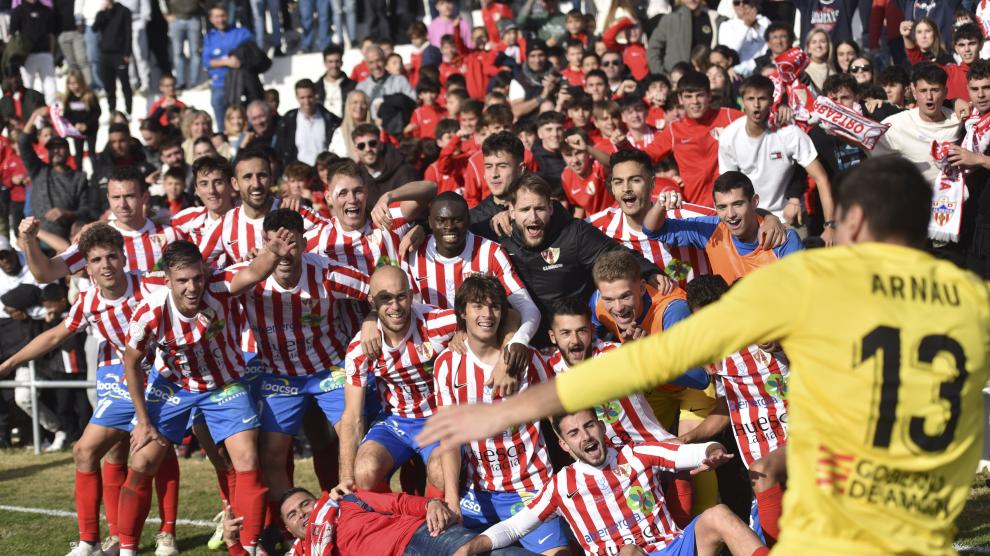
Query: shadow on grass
[(28, 470), (186, 544)]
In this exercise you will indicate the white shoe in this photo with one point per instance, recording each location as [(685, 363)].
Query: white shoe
[(165, 545), (58, 443), (111, 546), (216, 542), (86, 549)]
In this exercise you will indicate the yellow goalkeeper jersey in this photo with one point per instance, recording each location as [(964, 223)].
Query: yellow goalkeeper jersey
[(889, 354)]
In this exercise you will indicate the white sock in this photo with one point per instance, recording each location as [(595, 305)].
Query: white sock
[(127, 552)]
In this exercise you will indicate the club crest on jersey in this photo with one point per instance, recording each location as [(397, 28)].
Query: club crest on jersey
[(942, 210), (551, 255), (311, 319), (591, 188), (677, 269), (641, 500), (609, 412), (762, 357), (425, 351), (159, 239)]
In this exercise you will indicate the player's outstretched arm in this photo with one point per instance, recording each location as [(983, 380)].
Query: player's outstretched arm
[(40, 345), (263, 265), (351, 426), (43, 268)]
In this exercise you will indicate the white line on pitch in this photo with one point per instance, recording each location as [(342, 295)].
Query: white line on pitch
[(63, 513)]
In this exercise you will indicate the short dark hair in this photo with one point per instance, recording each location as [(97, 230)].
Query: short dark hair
[(895, 198), (175, 174), (283, 218), (479, 289), (170, 142), (929, 72), (119, 128), (893, 75), (632, 102), (979, 69), (967, 31), (333, 48), (290, 492), (756, 82), (447, 125), (534, 183), (472, 105), (596, 73), (504, 141), (305, 84), (427, 86), (179, 254), (366, 129), (734, 180), (631, 155), (705, 290), (579, 99), (556, 419), (100, 235), (212, 163), (497, 114), (779, 26), (550, 117), (250, 154), (693, 82), (450, 197), (128, 173), (416, 29), (838, 81), (55, 292), (571, 306)]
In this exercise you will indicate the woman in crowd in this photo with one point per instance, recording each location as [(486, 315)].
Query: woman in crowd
[(82, 109), (195, 124), (845, 52), (356, 112), (818, 46)]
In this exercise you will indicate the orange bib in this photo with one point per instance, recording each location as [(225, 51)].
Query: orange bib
[(727, 262)]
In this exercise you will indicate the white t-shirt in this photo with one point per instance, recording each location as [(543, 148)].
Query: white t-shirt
[(912, 137), (767, 160)]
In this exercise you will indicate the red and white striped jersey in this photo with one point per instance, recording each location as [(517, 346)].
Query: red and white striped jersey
[(405, 371), (142, 248), (621, 503), (195, 222), (435, 278), (319, 540), (364, 249), (629, 420), (199, 353), (683, 262), (648, 134), (754, 384), (236, 235), (297, 329), (109, 318), (517, 459)]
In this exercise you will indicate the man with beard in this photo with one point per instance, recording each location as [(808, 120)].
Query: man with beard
[(412, 335), (533, 83), (386, 165), (511, 464), (551, 251), (291, 315), (627, 421), (144, 240), (212, 177), (597, 493)]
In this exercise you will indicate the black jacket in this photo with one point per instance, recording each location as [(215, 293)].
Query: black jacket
[(551, 168), (285, 134), (243, 85), (31, 100), (114, 26), (105, 162), (50, 189), (395, 173), (346, 86), (36, 23), (65, 18), (561, 266)]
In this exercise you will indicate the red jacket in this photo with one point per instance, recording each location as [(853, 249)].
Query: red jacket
[(633, 55), (426, 119), (477, 66), (491, 15)]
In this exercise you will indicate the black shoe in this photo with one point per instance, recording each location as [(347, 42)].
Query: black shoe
[(277, 53), (5, 441)]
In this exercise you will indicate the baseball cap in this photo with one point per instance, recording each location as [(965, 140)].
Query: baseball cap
[(505, 25)]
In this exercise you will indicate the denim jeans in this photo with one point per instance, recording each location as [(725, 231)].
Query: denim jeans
[(180, 31), (258, 8), (422, 544), (92, 39), (348, 8), (219, 108), (322, 21)]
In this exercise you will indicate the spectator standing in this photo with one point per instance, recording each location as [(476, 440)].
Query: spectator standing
[(216, 49), (85, 11), (59, 194), (690, 25), (113, 23), (305, 132), (18, 102), (344, 11), (379, 82), (333, 86), (545, 20), (185, 26), (82, 109), (832, 16), (36, 24), (167, 87), (138, 69), (744, 34), (447, 23), (258, 10), (321, 36), (70, 38)]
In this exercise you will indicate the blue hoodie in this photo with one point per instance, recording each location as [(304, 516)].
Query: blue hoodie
[(218, 45)]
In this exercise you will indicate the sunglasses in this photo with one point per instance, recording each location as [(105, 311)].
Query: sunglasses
[(742, 2), (860, 69), (609, 63), (370, 144)]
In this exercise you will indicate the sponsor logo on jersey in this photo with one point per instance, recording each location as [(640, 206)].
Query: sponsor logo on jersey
[(777, 386), (609, 412), (162, 392), (524, 499), (640, 500)]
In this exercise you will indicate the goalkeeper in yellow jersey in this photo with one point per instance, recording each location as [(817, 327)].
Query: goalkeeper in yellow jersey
[(889, 353)]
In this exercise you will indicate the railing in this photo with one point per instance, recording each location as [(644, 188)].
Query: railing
[(33, 384)]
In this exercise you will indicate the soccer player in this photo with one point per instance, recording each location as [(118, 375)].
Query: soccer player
[(144, 240), (694, 140), (627, 420), (752, 397), (191, 324), (889, 354), (292, 317), (107, 308), (412, 335), (612, 498), (732, 238), (212, 176), (510, 465)]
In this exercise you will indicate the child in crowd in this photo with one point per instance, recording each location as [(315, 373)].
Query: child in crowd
[(574, 51), (575, 25), (657, 94), (448, 170), (296, 183), (583, 179), (607, 119), (425, 118), (633, 115), (632, 49), (175, 199)]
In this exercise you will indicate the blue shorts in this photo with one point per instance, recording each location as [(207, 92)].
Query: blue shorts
[(683, 545), (285, 399), (227, 410), (482, 509), (114, 408), (398, 436)]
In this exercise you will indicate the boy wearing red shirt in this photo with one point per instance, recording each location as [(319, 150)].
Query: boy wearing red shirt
[(578, 109), (512, 43), (633, 52), (583, 179), (607, 120), (492, 13), (469, 116), (573, 73), (967, 41), (574, 23), (449, 168), (657, 91), (425, 118), (694, 140)]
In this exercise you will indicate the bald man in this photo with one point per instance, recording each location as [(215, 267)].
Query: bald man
[(411, 337)]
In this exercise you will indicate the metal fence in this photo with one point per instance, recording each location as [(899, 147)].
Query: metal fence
[(33, 384)]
